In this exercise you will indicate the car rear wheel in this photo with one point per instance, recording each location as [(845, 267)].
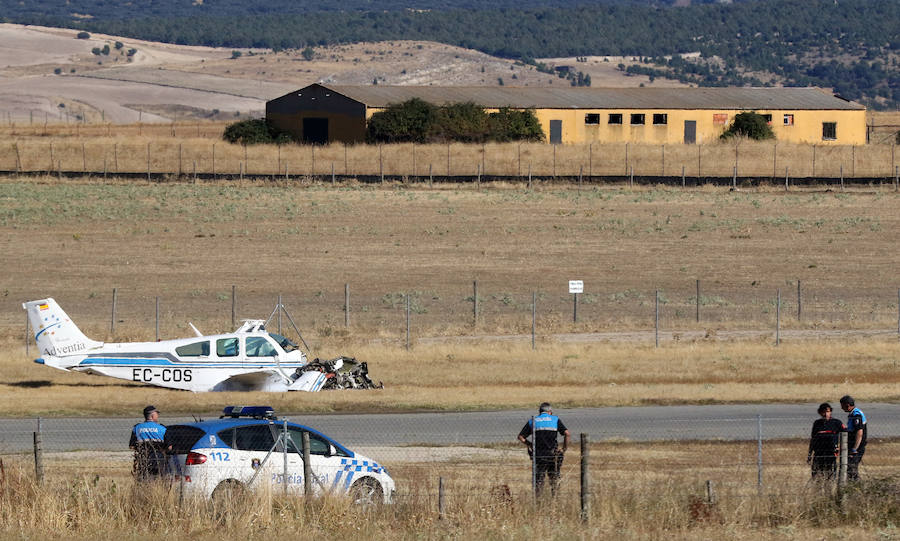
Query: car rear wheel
[(228, 497), (367, 492)]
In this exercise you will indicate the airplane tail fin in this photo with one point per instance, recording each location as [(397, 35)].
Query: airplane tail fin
[(54, 333)]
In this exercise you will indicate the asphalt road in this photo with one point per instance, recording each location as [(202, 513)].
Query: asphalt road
[(650, 423)]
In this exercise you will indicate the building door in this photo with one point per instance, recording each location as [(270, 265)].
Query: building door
[(315, 131), (690, 132), (555, 132)]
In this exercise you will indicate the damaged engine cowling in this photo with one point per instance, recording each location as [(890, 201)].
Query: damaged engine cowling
[(339, 373)]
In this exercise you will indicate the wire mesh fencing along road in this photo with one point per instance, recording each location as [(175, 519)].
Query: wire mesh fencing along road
[(690, 311), (741, 449)]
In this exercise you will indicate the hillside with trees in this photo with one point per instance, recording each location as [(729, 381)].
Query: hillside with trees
[(852, 47)]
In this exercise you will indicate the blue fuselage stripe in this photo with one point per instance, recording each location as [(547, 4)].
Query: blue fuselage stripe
[(142, 363)]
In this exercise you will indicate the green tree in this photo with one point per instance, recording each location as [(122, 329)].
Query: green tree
[(465, 122), (515, 125), (236, 54), (308, 54), (749, 124), (83, 35), (410, 121)]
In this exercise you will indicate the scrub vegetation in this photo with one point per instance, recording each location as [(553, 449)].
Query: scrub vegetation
[(640, 491)]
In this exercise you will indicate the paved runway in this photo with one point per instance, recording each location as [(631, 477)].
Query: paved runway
[(649, 423)]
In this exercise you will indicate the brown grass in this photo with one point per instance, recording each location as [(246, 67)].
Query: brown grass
[(188, 244), (502, 376), (639, 491)]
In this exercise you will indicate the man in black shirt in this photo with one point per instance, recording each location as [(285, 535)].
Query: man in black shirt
[(823, 444), (546, 454)]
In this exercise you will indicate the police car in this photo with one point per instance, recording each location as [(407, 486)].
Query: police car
[(245, 448)]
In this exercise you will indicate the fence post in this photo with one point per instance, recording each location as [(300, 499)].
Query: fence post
[(632, 176), (430, 177), (585, 478), (157, 319), (533, 316), (799, 301), (734, 178), (698, 301), (28, 333), (759, 459), (441, 498), (656, 324), (38, 454), (233, 300), (112, 318), (347, 305), (682, 175), (475, 302), (284, 456), (381, 162), (842, 471), (777, 317), (842, 177), (279, 309), (307, 468), (710, 492), (786, 178), (529, 175), (575, 308), (898, 319), (148, 162), (407, 322), (332, 173)]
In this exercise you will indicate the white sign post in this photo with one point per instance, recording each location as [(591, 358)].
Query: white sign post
[(575, 287)]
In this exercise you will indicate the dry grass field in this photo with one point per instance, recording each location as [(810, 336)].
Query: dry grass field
[(640, 491), (189, 243)]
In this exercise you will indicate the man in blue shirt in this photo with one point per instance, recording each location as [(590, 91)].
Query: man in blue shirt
[(147, 442), (857, 434), (545, 452)]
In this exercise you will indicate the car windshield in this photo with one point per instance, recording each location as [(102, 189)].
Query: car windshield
[(285, 343)]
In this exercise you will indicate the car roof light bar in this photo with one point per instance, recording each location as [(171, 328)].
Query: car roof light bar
[(255, 412)]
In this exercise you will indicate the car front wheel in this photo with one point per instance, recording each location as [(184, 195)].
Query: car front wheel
[(367, 492)]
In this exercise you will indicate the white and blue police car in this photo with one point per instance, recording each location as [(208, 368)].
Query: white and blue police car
[(245, 448)]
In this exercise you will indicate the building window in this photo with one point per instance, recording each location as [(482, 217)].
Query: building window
[(829, 131), (660, 118), (637, 118), (788, 120), (720, 118), (615, 118), (592, 118), (768, 118)]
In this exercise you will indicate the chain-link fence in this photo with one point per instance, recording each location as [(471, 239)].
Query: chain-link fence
[(693, 310)]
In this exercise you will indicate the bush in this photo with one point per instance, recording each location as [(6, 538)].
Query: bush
[(514, 125), (417, 121), (407, 122), (749, 124), (83, 35), (254, 132)]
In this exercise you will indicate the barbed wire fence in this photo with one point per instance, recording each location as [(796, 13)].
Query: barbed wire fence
[(760, 460)]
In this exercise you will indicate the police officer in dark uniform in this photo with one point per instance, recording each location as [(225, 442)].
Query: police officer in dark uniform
[(545, 452), (823, 444), (857, 434), (147, 442)]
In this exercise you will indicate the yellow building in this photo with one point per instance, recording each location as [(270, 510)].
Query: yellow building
[(321, 114)]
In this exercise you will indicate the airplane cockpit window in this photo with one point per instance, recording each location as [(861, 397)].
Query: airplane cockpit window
[(285, 343), (227, 347), (258, 346), (197, 349)]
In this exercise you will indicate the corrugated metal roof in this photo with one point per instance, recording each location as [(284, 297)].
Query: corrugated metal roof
[(566, 97)]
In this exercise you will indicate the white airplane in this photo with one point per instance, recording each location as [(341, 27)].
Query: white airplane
[(249, 359)]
